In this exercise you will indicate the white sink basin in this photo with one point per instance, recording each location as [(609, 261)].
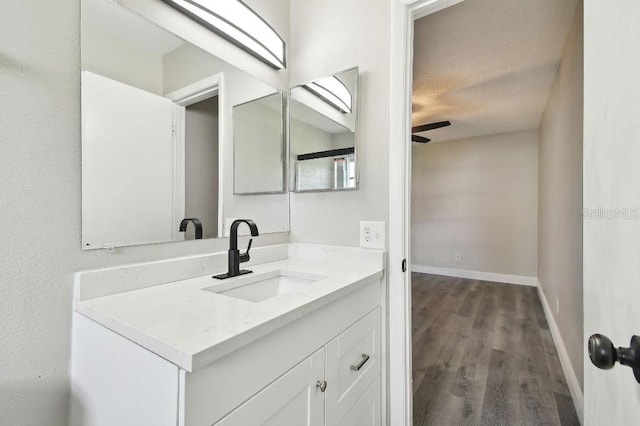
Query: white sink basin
[(265, 285)]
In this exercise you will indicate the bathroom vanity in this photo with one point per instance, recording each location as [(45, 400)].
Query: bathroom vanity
[(194, 136), (300, 341)]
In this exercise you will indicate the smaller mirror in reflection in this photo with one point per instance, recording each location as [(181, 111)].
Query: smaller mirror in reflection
[(322, 130), (258, 148)]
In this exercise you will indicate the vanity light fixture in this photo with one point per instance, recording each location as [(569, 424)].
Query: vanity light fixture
[(333, 91), (239, 24)]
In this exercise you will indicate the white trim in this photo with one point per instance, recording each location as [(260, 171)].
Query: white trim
[(179, 180), (399, 295), (198, 91), (222, 128), (400, 389), (427, 7), (477, 275), (567, 368)]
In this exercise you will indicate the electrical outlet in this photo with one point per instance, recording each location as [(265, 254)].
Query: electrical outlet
[(372, 235), (458, 257), (557, 305)]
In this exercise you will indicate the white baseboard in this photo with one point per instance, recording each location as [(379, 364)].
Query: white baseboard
[(567, 368), (477, 275)]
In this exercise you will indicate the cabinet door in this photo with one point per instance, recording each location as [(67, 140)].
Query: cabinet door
[(292, 400), (353, 363), (366, 412)]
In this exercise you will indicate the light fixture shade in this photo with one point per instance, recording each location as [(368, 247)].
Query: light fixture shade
[(238, 23), (333, 91)]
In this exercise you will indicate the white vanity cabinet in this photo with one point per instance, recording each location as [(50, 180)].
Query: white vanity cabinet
[(323, 388), (276, 379), (292, 400)]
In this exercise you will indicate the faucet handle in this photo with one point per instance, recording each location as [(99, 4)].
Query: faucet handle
[(244, 257)]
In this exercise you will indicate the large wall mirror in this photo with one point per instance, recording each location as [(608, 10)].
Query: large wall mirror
[(323, 122), (158, 128)]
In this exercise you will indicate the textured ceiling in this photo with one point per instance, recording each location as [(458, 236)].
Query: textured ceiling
[(487, 65)]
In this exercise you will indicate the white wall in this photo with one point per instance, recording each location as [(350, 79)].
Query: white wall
[(477, 197), (328, 36), (40, 204), (309, 139), (560, 196), (114, 58)]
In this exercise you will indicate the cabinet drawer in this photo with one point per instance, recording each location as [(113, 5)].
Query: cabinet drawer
[(353, 362)]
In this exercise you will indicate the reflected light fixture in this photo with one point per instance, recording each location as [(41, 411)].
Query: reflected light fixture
[(239, 24), (332, 91)]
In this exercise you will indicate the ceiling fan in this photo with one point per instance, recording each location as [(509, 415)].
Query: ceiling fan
[(424, 128)]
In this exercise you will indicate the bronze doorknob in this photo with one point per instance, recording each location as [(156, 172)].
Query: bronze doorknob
[(604, 355)]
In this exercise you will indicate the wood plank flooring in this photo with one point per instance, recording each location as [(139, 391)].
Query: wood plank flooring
[(483, 355)]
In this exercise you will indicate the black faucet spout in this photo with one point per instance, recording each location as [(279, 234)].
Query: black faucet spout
[(233, 237), (235, 257), (196, 223)]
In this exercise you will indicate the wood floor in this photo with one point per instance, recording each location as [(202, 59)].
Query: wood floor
[(483, 355)]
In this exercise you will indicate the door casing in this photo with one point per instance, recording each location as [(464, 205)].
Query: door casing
[(182, 98), (403, 14)]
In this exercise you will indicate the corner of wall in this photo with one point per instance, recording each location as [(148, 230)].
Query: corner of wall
[(559, 208)]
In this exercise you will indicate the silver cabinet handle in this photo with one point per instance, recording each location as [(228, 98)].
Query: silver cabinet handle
[(322, 384), (362, 362)]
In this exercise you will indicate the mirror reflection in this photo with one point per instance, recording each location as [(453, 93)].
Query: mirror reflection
[(259, 151), (158, 137), (323, 132)]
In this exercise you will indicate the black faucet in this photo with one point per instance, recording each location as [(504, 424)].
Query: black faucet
[(196, 223), (235, 257)]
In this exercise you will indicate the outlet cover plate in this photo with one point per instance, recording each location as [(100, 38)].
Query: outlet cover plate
[(372, 235)]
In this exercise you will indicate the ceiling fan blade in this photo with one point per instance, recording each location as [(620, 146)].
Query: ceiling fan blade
[(430, 126), (419, 139)]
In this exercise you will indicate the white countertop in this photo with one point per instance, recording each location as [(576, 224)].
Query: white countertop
[(192, 327)]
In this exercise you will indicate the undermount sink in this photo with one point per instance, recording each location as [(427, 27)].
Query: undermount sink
[(266, 285)]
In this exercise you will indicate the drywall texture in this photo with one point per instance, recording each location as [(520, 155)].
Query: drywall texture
[(324, 42), (487, 65), (560, 196), (40, 204), (476, 197)]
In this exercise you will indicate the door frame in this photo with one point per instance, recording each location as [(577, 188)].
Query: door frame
[(182, 98), (403, 15)]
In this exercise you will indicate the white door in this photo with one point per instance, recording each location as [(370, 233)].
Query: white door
[(127, 164), (292, 400), (611, 201)]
